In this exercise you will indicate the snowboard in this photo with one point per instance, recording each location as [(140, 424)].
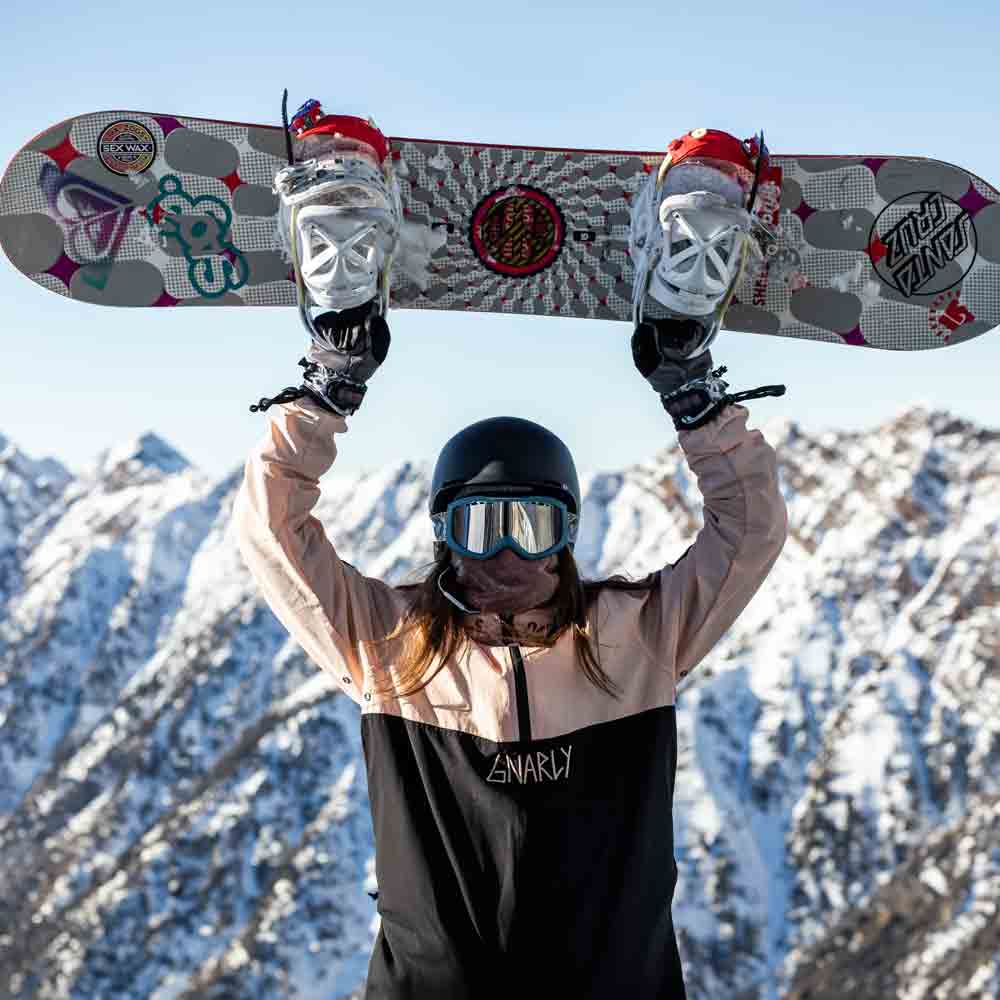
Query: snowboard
[(126, 208)]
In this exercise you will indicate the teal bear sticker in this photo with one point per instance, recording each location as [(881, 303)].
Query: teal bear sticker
[(200, 228)]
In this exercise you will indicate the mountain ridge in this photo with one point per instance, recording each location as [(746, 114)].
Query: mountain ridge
[(183, 810)]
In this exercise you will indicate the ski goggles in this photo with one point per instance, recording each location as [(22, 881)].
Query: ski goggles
[(479, 527)]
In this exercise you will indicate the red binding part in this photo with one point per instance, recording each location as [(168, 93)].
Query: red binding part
[(716, 145), (350, 127)]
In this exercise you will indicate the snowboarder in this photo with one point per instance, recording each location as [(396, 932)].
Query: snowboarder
[(518, 722)]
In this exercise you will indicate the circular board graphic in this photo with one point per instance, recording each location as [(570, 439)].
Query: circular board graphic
[(126, 147), (517, 230), (923, 243)]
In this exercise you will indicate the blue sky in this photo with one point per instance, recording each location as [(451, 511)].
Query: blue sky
[(914, 78)]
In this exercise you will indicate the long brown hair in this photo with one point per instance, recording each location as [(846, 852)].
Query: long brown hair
[(434, 629)]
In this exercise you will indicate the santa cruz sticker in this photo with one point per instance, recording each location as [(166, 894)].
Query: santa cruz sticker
[(923, 243), (126, 147), (517, 230)]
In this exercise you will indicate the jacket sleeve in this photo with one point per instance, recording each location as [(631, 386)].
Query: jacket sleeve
[(745, 527), (325, 603)]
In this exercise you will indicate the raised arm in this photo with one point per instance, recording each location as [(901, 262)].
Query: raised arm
[(745, 527), (339, 215), (325, 603), (745, 517)]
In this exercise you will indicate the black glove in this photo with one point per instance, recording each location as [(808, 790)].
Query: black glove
[(691, 392), (346, 350)]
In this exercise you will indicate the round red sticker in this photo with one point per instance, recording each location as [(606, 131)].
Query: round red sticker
[(517, 230)]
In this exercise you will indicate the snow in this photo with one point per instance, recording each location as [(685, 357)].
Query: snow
[(147, 450), (204, 785)]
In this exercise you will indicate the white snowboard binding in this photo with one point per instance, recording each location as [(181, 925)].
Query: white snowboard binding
[(693, 234), (339, 216)]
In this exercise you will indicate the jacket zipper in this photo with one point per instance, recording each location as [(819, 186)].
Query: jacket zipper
[(520, 683)]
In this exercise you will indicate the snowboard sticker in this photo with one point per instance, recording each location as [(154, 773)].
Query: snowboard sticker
[(125, 208)]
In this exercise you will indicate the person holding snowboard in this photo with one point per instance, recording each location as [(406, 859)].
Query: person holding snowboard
[(518, 722)]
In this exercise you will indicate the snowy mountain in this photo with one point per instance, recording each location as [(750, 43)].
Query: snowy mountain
[(183, 810)]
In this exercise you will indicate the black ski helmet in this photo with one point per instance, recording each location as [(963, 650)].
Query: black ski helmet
[(504, 456)]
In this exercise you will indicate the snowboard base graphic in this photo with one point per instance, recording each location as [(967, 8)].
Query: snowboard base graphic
[(125, 208)]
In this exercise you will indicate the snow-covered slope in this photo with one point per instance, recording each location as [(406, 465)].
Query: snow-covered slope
[(183, 810)]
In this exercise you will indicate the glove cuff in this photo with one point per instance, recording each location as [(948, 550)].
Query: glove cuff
[(334, 390), (692, 411), (329, 389), (697, 401)]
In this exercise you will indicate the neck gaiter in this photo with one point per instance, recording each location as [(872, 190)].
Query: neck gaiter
[(506, 583)]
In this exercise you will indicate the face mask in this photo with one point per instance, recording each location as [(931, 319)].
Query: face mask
[(506, 583)]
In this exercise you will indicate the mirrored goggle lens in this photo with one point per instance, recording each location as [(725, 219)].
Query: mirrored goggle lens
[(481, 525)]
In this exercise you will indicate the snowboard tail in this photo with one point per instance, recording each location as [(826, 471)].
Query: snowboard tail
[(126, 208)]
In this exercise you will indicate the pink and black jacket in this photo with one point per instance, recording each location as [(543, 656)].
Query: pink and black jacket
[(522, 817)]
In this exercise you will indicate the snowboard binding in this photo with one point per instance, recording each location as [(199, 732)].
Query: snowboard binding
[(339, 219), (694, 231), (340, 211)]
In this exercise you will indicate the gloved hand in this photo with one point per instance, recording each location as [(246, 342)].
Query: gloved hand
[(346, 350), (691, 392)]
